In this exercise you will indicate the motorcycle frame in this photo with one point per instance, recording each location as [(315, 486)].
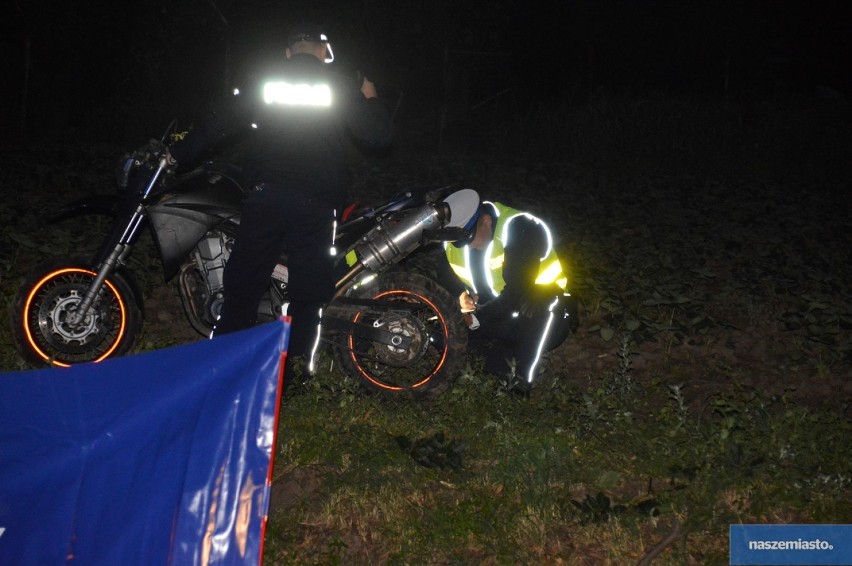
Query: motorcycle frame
[(134, 209)]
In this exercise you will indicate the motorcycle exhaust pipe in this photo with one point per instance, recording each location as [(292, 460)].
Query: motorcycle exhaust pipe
[(396, 237), (393, 239)]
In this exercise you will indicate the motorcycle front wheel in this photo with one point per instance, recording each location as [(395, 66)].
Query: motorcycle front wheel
[(428, 316), (41, 325)]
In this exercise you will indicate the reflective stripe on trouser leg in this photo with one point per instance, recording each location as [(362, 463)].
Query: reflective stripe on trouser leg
[(312, 360), (334, 233), (542, 341), (311, 365), (213, 330)]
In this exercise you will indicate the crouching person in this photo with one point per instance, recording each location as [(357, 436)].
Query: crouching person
[(512, 291)]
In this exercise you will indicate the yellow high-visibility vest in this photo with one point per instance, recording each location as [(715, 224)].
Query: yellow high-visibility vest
[(549, 271)]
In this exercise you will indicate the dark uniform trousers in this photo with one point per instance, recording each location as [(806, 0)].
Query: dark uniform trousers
[(544, 319), (276, 218)]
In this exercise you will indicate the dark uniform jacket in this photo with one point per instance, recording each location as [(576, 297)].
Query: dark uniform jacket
[(301, 144)]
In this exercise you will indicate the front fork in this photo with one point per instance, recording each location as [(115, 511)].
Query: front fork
[(121, 250)]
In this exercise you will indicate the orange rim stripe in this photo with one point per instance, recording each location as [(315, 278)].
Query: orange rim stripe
[(35, 290), (428, 377)]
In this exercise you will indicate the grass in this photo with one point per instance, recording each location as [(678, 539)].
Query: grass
[(709, 382), (594, 474)]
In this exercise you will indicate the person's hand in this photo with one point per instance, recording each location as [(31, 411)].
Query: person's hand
[(467, 302), (368, 89), (470, 320), (170, 161)]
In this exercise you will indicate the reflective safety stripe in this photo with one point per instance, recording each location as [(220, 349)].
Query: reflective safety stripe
[(542, 341), (333, 249), (492, 273), (505, 232), (462, 270), (550, 274), (467, 267), (312, 362), (281, 92)]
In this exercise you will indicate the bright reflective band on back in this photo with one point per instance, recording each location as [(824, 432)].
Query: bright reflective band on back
[(280, 92), (551, 275)]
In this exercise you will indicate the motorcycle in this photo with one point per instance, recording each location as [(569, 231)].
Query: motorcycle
[(395, 330)]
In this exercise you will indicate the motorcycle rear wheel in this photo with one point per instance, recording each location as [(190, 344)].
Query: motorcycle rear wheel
[(50, 294), (429, 317)]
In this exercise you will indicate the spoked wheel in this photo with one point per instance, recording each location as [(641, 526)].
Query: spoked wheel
[(42, 323), (421, 312)]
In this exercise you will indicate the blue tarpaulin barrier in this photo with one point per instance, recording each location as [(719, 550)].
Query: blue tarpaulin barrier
[(158, 458)]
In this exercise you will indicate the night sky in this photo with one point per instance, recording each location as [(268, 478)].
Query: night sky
[(116, 71)]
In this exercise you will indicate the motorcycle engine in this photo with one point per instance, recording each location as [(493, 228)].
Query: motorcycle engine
[(202, 283), (210, 256)]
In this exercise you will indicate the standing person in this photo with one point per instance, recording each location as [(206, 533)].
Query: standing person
[(296, 122), (511, 288)]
